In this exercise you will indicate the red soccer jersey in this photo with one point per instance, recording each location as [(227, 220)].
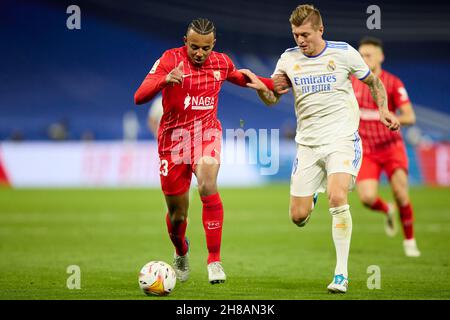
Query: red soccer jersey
[(192, 104), (374, 134)]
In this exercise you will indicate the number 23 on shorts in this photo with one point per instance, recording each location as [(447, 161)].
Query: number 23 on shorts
[(163, 167)]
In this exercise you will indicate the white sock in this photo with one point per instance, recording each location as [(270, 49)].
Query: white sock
[(342, 233)]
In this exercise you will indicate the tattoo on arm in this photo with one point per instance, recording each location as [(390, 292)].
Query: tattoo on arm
[(268, 97), (377, 90)]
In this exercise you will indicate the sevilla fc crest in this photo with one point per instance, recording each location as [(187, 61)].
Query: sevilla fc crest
[(217, 75)]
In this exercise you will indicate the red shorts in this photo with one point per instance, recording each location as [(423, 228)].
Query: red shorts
[(387, 160), (176, 169)]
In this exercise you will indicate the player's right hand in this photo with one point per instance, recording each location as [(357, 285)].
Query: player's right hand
[(389, 120), (254, 83), (281, 84), (176, 75)]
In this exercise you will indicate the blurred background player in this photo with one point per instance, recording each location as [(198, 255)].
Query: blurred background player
[(383, 149), (328, 145), (155, 113), (190, 78)]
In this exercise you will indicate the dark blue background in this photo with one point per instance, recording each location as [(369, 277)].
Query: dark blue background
[(88, 77)]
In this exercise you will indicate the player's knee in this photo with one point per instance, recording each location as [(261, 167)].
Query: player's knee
[(337, 198), (368, 199), (177, 212), (401, 196), (177, 216), (299, 214), (207, 187)]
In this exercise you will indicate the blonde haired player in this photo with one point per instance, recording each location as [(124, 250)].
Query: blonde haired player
[(329, 148)]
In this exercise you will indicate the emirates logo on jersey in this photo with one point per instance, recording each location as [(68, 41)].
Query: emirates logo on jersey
[(199, 103)]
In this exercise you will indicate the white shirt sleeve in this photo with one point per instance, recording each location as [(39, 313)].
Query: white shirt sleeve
[(280, 67), (356, 64)]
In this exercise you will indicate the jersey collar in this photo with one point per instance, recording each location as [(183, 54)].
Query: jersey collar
[(320, 53)]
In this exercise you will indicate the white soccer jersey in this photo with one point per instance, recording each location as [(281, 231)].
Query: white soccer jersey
[(325, 105)]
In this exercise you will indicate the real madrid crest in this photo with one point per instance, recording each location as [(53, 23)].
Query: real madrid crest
[(331, 66), (297, 67)]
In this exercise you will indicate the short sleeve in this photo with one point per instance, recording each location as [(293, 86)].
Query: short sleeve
[(356, 64), (280, 67)]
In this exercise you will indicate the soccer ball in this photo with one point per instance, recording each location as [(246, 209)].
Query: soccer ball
[(157, 278)]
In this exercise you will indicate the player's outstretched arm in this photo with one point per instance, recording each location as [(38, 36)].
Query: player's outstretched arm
[(267, 96), (380, 97), (241, 79)]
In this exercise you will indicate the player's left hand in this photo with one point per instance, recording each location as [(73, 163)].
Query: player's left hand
[(389, 120), (254, 83)]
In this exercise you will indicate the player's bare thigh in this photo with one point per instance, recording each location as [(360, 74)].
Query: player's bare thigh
[(337, 188), (399, 184), (367, 191), (206, 171), (300, 208)]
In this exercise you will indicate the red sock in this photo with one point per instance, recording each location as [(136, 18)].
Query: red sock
[(177, 235), (406, 215), (380, 205), (212, 223)]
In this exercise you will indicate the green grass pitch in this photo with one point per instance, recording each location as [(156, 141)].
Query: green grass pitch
[(111, 234)]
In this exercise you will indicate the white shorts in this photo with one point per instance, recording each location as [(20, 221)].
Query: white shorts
[(313, 165)]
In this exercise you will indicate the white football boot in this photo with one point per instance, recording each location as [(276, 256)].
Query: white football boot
[(216, 273), (181, 265), (390, 225), (411, 249), (339, 284)]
